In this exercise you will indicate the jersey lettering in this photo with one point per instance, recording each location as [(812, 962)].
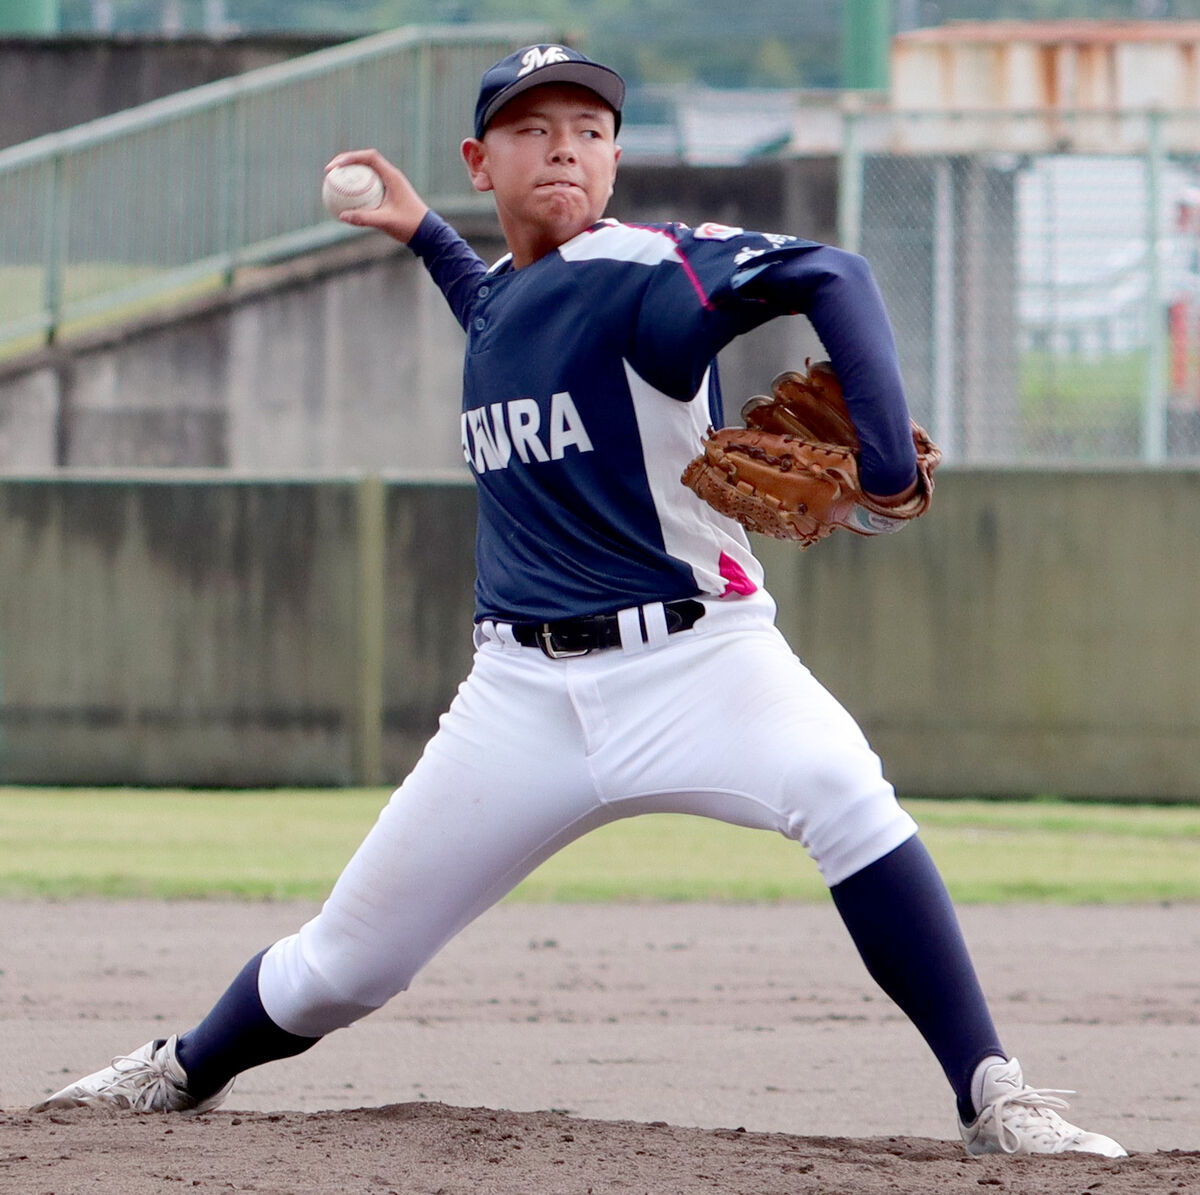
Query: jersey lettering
[(500, 433), (524, 419), (487, 453), (566, 427), (514, 426)]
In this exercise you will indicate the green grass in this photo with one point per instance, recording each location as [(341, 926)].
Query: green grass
[(22, 295), (1066, 382), (1079, 408), (58, 844)]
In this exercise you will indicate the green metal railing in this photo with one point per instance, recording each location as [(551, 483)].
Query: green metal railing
[(121, 214)]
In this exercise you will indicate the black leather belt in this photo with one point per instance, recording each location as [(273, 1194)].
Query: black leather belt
[(578, 636)]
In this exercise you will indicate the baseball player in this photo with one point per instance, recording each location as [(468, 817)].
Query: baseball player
[(627, 659)]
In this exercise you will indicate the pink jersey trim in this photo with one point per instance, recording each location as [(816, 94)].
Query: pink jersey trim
[(735, 577), (616, 241)]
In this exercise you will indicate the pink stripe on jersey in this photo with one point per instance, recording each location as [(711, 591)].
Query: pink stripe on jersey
[(693, 278), (644, 243)]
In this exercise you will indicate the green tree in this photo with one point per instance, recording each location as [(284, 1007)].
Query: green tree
[(772, 43)]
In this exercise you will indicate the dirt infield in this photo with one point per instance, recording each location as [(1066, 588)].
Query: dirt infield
[(655, 1049)]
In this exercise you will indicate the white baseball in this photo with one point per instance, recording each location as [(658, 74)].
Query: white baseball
[(354, 186)]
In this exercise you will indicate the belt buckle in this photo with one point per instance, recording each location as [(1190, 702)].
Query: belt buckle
[(545, 638)]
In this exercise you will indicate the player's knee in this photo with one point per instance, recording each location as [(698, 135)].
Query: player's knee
[(302, 999), (865, 829)]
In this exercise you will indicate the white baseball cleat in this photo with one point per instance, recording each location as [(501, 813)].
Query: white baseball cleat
[(1017, 1119), (148, 1080)]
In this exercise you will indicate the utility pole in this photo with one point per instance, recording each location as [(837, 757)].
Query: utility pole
[(866, 40), (29, 16)]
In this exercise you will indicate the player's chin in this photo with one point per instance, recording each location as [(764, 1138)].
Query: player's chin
[(566, 205), (569, 227)]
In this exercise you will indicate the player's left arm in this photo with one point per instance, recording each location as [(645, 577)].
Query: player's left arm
[(838, 293), (733, 281)]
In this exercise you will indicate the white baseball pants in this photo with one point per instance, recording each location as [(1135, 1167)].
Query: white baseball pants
[(721, 720)]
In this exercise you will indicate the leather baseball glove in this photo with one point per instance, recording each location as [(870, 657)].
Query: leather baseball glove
[(792, 471)]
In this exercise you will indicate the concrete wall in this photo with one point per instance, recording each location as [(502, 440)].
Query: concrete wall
[(195, 631), (1035, 633)]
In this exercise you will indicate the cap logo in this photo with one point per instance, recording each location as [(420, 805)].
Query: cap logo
[(537, 57)]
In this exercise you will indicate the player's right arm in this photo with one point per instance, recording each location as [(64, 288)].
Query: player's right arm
[(406, 217), (402, 210)]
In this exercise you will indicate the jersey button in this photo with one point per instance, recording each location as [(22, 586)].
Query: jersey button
[(484, 291), (480, 324)]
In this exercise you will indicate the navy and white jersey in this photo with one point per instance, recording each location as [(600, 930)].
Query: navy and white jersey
[(589, 381)]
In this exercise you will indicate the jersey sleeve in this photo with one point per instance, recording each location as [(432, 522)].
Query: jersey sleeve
[(732, 281), (451, 262), (838, 293)]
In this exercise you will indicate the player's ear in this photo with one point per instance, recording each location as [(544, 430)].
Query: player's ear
[(616, 158), (474, 153)]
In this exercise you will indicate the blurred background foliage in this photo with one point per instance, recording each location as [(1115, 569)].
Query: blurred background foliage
[(761, 43)]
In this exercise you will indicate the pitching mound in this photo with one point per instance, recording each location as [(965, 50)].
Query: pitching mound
[(419, 1148)]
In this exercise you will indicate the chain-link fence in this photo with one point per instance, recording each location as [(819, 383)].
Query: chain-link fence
[(1046, 297)]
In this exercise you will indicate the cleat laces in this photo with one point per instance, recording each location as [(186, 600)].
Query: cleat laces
[(1032, 1113), (144, 1082)]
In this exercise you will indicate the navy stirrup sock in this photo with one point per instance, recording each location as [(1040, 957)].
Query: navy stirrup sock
[(236, 1035), (899, 914)]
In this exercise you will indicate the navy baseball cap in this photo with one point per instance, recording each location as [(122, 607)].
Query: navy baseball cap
[(534, 65)]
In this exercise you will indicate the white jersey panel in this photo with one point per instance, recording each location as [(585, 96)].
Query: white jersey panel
[(610, 241), (715, 547)]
